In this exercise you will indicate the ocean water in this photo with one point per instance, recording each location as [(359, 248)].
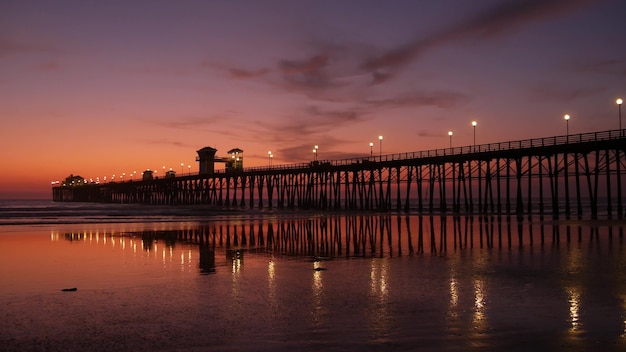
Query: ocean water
[(197, 279)]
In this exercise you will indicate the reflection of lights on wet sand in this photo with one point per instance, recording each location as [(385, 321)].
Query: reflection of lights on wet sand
[(121, 242), (378, 277), (236, 263), (317, 288), (236, 267), (454, 292), (271, 272), (183, 267), (574, 306), (379, 319), (271, 278), (317, 278), (479, 304)]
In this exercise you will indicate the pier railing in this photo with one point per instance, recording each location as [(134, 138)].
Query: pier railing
[(462, 150)]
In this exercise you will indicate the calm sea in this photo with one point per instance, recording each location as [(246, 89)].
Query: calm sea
[(197, 279), (29, 212)]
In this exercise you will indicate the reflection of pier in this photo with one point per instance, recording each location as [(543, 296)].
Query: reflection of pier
[(364, 236), (571, 175)]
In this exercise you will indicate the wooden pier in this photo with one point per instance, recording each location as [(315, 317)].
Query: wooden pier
[(572, 176)]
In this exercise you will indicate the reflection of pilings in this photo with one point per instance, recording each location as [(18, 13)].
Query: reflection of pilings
[(207, 259), (360, 236), (374, 236)]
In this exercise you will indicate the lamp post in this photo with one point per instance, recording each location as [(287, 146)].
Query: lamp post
[(269, 158), (314, 154), (315, 151), (450, 134), (189, 169), (380, 139), (567, 117), (619, 102), (181, 168), (371, 149), (474, 123)]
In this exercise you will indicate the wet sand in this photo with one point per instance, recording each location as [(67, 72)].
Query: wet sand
[(564, 296)]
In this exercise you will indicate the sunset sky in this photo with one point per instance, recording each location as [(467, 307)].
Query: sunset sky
[(97, 88)]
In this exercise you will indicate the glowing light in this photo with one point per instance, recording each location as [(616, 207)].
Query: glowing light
[(479, 305), (574, 307), (454, 292)]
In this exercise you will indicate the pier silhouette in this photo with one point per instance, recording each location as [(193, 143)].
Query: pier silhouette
[(573, 175)]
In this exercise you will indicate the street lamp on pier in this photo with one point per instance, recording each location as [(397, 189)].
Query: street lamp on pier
[(619, 102), (450, 134), (567, 117), (474, 123), (371, 149), (380, 139), (315, 151), (269, 157)]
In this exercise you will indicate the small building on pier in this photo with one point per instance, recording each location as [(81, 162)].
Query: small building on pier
[(73, 181), (207, 159), (235, 162), (170, 174), (147, 175)]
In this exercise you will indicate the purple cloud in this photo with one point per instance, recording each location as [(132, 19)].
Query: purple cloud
[(502, 18), (440, 99), (246, 74)]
